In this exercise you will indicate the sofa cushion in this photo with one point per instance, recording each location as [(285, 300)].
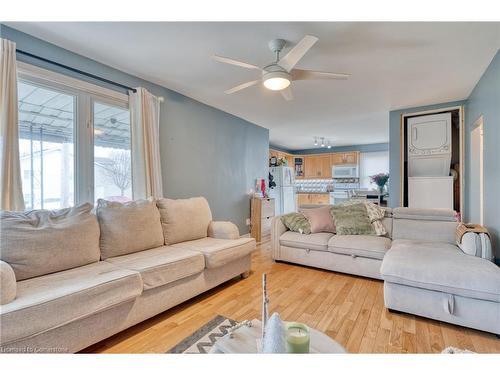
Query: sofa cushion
[(441, 267), (128, 227), (8, 283), (223, 229), (315, 241), (364, 246), (162, 265), (433, 214), (40, 242), (184, 219), (424, 230), (219, 252), (50, 301)]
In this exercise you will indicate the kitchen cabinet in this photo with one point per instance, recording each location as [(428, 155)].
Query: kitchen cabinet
[(313, 198), (345, 158), (317, 166), (310, 168)]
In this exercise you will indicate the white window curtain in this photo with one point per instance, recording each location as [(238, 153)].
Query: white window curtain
[(145, 132), (11, 193)]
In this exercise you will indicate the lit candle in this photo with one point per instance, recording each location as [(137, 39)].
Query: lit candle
[(297, 338)]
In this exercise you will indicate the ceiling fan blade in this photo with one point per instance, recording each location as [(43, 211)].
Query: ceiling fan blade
[(296, 53), (299, 74), (227, 60), (242, 86), (287, 93)]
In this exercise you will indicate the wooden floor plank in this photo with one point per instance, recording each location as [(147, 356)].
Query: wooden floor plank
[(346, 307)]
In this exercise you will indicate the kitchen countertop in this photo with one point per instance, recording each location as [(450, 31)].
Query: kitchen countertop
[(313, 192)]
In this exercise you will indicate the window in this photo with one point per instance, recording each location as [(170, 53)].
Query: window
[(112, 164), (372, 163), (74, 140), (46, 147)]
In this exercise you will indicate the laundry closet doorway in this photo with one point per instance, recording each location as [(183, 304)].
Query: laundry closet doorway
[(432, 160)]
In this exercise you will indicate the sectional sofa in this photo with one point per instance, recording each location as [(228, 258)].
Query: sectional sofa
[(72, 277), (425, 273)]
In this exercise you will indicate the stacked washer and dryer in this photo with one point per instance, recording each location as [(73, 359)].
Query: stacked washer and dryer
[(430, 184)]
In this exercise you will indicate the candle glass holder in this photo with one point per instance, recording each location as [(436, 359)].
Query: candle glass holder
[(297, 337)]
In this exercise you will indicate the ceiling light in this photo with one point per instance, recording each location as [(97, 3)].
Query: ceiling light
[(276, 81), (98, 131), (322, 142), (329, 145), (315, 141)]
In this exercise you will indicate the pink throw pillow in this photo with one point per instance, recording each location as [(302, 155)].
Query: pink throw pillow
[(320, 219)]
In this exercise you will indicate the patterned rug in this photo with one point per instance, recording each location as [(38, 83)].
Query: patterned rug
[(202, 340)]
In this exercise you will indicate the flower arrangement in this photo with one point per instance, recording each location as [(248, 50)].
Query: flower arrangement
[(380, 180)]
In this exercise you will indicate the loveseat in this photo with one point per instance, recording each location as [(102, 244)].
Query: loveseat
[(425, 273), (73, 277)]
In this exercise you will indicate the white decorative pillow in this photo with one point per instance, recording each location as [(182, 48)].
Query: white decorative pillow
[(376, 215)]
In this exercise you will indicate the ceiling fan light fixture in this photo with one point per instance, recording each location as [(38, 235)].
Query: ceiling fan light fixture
[(276, 81)]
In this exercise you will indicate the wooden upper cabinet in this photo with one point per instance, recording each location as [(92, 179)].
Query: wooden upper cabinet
[(345, 158), (351, 157), (317, 166), (310, 169), (325, 166)]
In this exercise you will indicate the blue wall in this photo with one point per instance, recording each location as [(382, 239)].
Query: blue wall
[(204, 151), (485, 100), (395, 146)]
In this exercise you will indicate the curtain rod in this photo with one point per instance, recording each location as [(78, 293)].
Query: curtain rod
[(76, 70)]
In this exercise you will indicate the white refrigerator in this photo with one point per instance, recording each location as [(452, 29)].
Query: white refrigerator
[(284, 191)]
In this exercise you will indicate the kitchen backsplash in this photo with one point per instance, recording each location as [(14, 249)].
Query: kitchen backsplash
[(314, 185)]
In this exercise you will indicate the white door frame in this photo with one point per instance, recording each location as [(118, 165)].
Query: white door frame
[(479, 124), (461, 151)]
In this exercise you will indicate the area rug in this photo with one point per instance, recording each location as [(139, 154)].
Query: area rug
[(202, 340)]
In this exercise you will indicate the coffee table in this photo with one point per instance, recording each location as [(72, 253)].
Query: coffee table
[(248, 340)]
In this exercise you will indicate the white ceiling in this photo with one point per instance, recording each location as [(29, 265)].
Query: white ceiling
[(393, 65)]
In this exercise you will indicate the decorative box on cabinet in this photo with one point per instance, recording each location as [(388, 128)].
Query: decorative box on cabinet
[(262, 213)]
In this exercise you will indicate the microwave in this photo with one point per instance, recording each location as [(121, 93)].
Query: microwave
[(345, 171)]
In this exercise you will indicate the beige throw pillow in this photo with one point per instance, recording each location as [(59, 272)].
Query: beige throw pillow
[(376, 215), (320, 219), (39, 242), (128, 227), (184, 219)]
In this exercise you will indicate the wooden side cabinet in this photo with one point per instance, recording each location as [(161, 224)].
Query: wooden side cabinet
[(262, 213)]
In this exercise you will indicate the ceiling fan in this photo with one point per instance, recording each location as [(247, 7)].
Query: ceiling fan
[(278, 75)]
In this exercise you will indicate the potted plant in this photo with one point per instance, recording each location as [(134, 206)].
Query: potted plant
[(380, 180)]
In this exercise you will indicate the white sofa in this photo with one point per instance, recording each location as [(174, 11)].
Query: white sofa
[(71, 278), (425, 273)]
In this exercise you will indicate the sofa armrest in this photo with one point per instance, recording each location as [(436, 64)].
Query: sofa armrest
[(8, 284), (277, 229), (223, 230)]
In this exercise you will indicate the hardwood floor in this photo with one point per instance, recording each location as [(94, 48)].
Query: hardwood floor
[(348, 308)]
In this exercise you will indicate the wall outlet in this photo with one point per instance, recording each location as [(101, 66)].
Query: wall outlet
[(248, 221)]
